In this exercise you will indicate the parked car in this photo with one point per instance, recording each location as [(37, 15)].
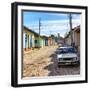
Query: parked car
[(67, 56), (60, 45)]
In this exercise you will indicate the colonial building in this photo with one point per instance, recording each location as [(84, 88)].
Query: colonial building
[(32, 39), (75, 36), (28, 38)]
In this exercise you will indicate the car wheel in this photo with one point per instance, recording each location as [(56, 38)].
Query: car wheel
[(59, 65)]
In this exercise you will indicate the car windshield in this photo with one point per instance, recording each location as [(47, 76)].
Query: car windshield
[(67, 50)]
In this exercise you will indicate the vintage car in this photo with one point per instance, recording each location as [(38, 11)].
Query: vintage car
[(67, 56)]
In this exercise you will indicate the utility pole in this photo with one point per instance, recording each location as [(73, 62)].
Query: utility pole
[(70, 23), (39, 25), (39, 30)]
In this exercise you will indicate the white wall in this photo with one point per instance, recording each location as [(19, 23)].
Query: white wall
[(5, 46)]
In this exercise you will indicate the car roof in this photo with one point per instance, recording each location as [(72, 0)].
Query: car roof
[(67, 47)]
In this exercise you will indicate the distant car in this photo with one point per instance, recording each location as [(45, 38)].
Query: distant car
[(60, 45), (67, 56)]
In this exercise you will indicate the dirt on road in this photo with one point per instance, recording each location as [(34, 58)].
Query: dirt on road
[(42, 62)]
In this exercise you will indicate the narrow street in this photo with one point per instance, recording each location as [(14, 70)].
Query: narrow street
[(42, 62)]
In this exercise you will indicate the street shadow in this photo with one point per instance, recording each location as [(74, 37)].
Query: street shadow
[(55, 70), (52, 67)]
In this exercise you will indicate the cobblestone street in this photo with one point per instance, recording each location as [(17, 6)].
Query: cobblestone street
[(42, 62)]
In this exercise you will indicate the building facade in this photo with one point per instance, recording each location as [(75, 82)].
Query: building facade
[(28, 38), (33, 40), (75, 36)]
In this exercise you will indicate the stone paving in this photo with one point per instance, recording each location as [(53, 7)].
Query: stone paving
[(42, 62)]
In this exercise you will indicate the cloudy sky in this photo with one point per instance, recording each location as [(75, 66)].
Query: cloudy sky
[(51, 23)]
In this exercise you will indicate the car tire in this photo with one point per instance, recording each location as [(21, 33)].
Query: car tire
[(59, 65)]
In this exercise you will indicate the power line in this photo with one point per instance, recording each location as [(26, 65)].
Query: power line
[(50, 24)]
